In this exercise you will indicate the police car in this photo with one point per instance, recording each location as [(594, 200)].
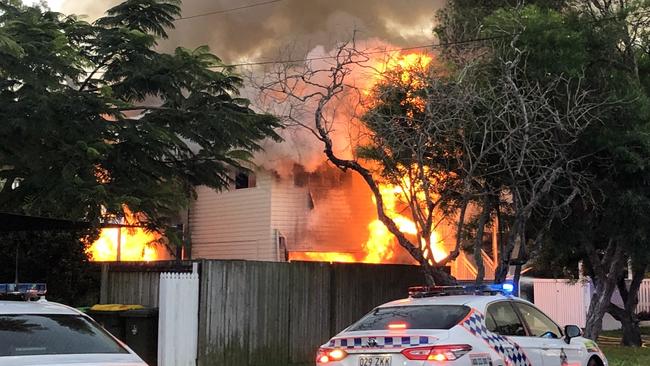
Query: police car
[(462, 325), (51, 334)]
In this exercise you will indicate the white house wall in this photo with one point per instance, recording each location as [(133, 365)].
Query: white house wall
[(234, 224), (289, 210)]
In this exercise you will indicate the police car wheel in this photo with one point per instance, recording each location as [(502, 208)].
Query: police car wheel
[(593, 362)]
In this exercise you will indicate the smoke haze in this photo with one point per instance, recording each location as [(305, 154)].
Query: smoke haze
[(257, 33), (288, 29)]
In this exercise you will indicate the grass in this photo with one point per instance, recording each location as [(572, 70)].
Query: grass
[(624, 356)]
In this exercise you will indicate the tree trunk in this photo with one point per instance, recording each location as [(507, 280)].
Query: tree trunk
[(598, 306), (627, 314), (605, 283), (629, 324), (478, 242)]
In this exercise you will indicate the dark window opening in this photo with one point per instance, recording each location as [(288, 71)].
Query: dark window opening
[(245, 180)]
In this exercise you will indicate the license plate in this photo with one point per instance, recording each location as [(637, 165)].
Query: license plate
[(374, 361)]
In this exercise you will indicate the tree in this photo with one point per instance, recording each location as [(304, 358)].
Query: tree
[(603, 41), (448, 139), (94, 119)]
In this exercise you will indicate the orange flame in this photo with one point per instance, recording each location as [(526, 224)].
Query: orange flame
[(381, 244), (136, 244), (323, 257)]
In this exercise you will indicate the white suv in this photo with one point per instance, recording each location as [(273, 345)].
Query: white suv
[(447, 326), (51, 334)]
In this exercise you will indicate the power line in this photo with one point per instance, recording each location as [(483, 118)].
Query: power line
[(387, 51), (223, 11), (430, 46)]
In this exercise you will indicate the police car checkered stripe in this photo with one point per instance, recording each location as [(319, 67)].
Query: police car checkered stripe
[(382, 342), (509, 350)]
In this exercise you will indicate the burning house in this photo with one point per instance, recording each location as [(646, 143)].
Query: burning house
[(301, 209), (325, 215)]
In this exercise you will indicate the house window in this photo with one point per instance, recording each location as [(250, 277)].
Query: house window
[(245, 179)]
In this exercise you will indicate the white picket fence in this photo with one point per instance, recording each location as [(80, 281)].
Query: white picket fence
[(568, 302), (178, 319)]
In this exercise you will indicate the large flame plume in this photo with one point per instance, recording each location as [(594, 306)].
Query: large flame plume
[(381, 246), (134, 243)]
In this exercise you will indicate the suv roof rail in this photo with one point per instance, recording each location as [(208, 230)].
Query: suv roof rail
[(431, 291)]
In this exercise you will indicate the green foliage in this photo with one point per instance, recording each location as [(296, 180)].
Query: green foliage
[(597, 51), (57, 259), (552, 42), (94, 118)]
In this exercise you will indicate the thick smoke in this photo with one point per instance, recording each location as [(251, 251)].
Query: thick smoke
[(258, 32), (289, 29)]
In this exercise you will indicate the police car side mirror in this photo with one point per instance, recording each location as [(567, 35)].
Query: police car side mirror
[(571, 331)]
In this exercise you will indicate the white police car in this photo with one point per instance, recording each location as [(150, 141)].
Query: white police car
[(51, 334), (459, 326)]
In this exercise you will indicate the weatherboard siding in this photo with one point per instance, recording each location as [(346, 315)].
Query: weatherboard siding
[(289, 210), (234, 224)]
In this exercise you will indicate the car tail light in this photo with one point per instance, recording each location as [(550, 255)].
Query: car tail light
[(437, 353), (326, 355)]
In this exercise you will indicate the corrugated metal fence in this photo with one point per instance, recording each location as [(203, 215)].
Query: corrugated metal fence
[(567, 302), (178, 319), (564, 301)]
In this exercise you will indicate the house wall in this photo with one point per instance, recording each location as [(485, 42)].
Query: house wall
[(234, 224), (289, 210)]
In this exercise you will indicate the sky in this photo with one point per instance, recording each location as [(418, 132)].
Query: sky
[(263, 32)]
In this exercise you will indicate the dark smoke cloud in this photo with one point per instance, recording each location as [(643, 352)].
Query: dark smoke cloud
[(260, 32), (290, 29)]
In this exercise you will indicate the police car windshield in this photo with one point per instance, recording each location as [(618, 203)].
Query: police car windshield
[(30, 335), (412, 317)]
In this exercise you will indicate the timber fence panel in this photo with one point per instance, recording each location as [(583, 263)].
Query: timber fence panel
[(264, 313), (310, 309), (139, 288)]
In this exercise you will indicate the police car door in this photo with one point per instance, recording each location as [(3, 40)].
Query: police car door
[(555, 351), (517, 349)]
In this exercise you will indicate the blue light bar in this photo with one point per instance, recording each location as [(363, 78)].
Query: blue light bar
[(508, 287), (428, 291)]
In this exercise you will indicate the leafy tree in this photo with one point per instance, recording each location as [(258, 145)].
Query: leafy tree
[(604, 43), (94, 118)]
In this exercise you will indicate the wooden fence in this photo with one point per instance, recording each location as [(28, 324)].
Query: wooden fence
[(265, 313), (262, 313), (135, 283)]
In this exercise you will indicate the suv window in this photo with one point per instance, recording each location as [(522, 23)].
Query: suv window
[(413, 317), (29, 335), (505, 320), (539, 324)]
